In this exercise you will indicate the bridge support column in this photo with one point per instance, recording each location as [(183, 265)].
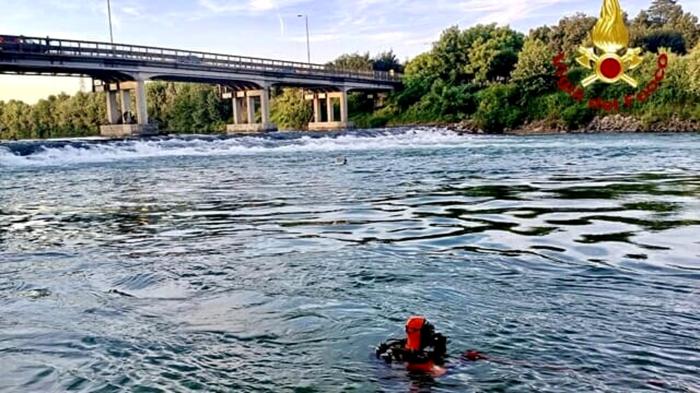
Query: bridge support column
[(126, 106), (121, 125), (250, 105), (330, 108), (250, 97), (330, 123), (317, 108), (112, 107), (237, 109), (141, 107), (265, 107), (344, 118)]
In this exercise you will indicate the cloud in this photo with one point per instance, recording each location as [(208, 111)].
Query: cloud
[(506, 12), (248, 6)]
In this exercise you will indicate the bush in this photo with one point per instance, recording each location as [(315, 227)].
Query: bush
[(497, 110), (577, 116), (534, 73), (289, 110), (548, 107)]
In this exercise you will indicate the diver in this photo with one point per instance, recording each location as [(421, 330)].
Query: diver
[(423, 350)]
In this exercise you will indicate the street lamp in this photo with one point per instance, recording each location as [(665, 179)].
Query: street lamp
[(109, 14), (308, 41)]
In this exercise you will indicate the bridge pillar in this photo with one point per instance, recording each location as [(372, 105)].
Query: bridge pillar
[(317, 108), (121, 125), (330, 108), (250, 103), (112, 107), (141, 107), (248, 99), (237, 109), (344, 118), (126, 106), (330, 123), (265, 107)]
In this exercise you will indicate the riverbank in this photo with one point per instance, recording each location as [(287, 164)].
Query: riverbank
[(616, 123)]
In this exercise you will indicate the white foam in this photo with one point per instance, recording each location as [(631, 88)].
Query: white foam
[(140, 149), (417, 138)]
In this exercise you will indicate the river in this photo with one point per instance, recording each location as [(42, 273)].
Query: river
[(263, 264)]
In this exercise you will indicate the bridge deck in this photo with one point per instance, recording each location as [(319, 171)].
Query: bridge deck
[(20, 48)]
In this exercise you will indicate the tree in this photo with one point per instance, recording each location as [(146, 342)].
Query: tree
[(196, 108), (497, 110), (16, 120), (667, 15), (570, 33), (657, 39), (664, 12), (290, 110), (157, 98), (492, 57), (542, 33), (387, 61), (354, 61), (450, 54), (534, 72), (419, 76), (693, 71)]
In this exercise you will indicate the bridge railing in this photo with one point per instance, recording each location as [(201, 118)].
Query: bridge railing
[(102, 50)]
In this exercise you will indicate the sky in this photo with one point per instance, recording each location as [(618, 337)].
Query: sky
[(271, 28)]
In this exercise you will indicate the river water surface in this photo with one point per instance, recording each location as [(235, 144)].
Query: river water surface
[(260, 264)]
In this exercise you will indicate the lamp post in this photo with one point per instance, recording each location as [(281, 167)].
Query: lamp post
[(109, 14), (308, 40)]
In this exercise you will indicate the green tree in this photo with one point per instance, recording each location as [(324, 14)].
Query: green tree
[(42, 119), (570, 33), (419, 76), (196, 108), (657, 39), (498, 110), (387, 61), (493, 57), (354, 61), (290, 110), (534, 72), (667, 15), (542, 33), (16, 120), (449, 57), (693, 72)]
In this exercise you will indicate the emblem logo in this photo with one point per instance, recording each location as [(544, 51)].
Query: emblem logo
[(610, 36), (609, 63)]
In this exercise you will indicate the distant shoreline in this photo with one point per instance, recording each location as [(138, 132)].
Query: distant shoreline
[(615, 124)]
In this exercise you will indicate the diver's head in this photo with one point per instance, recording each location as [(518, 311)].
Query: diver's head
[(420, 333)]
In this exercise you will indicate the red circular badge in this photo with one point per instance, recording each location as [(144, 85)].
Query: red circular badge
[(610, 68)]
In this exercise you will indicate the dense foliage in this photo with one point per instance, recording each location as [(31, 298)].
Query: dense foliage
[(57, 116), (496, 79), (490, 76)]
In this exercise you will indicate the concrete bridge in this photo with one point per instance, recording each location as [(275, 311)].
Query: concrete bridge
[(122, 70)]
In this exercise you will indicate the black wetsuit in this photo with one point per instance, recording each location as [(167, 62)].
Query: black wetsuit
[(395, 350)]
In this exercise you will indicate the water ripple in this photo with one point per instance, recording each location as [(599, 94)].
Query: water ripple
[(257, 264)]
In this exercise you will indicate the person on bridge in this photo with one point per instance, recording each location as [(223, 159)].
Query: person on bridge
[(423, 350)]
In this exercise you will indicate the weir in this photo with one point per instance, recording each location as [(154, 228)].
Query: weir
[(122, 70)]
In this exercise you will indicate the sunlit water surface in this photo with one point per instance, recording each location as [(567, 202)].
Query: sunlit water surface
[(260, 264)]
